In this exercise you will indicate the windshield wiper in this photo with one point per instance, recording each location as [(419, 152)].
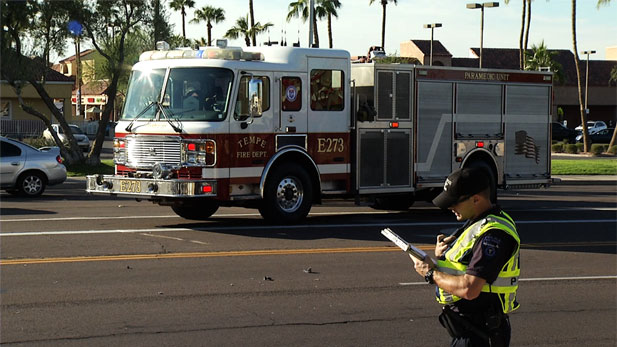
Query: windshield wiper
[(149, 106), (176, 128)]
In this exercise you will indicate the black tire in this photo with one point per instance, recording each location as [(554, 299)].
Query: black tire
[(491, 176), (288, 195), (31, 184), (195, 210), (393, 203)]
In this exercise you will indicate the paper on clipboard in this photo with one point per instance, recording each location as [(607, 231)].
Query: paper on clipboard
[(404, 245)]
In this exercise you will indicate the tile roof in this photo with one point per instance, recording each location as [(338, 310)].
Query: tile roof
[(425, 47), (508, 58)]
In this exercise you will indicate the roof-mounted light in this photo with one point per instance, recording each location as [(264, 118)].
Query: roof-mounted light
[(162, 46), (228, 53)]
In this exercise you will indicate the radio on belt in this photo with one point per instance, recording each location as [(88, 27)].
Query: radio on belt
[(404, 245)]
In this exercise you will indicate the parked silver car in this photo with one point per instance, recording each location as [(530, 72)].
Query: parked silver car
[(26, 170), (78, 134)]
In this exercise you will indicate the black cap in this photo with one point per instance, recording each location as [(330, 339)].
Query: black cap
[(460, 184)]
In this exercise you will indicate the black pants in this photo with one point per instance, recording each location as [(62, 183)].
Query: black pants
[(476, 330)]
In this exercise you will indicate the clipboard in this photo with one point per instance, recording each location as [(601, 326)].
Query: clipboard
[(404, 245)]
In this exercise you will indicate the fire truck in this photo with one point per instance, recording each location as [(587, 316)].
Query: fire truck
[(282, 128)]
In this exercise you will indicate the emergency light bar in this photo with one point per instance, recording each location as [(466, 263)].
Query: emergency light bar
[(226, 53)]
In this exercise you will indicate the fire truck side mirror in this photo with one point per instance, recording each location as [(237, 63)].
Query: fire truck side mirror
[(255, 97)]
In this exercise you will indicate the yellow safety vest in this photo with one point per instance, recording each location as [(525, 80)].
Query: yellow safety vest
[(506, 283)]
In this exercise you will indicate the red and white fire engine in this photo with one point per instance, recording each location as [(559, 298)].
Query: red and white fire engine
[(281, 128)]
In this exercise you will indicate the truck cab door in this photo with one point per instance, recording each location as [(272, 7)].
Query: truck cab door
[(251, 140), (292, 108)]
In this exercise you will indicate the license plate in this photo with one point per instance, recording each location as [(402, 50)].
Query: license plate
[(128, 186)]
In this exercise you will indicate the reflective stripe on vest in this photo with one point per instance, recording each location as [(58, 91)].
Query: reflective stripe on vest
[(506, 283)]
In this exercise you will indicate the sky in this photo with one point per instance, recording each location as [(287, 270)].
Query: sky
[(359, 25)]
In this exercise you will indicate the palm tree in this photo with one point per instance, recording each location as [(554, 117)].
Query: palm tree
[(542, 57), (209, 15), (522, 44), (384, 3), (180, 5), (300, 8), (252, 15), (612, 78), (330, 7), (578, 78), (242, 28)]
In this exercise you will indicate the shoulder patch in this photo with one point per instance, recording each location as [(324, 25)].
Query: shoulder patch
[(490, 245)]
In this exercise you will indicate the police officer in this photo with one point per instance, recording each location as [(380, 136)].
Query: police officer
[(478, 265)]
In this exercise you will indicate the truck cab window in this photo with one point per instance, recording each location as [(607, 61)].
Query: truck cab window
[(241, 111), (327, 90)]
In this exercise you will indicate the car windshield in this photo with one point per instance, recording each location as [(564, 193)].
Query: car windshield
[(195, 93)]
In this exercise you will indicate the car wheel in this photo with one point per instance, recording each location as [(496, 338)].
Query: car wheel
[(31, 184)]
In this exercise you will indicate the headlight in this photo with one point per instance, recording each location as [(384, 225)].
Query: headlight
[(119, 151), (201, 152)]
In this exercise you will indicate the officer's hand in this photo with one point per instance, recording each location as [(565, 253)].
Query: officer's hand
[(422, 266), (442, 244)]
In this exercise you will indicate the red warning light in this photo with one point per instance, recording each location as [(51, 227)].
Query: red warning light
[(192, 146), (480, 144), (206, 189), (394, 124)]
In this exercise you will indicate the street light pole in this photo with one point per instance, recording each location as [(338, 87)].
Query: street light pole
[(481, 7), (432, 26), (587, 79)]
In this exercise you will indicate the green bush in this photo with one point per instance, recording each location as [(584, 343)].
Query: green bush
[(613, 149), (580, 147), (571, 148), (557, 147), (598, 148)]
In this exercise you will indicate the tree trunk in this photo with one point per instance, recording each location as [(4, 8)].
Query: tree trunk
[(183, 26), (74, 153), (521, 54), (252, 15), (315, 32), (330, 30), (578, 78), (209, 26), (612, 143), (527, 31), (383, 26)]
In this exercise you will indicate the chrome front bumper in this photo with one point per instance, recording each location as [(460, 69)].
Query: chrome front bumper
[(147, 188)]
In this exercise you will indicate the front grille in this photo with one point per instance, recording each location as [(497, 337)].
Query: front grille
[(144, 152)]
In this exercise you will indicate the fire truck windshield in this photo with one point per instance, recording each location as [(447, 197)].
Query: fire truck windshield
[(191, 94)]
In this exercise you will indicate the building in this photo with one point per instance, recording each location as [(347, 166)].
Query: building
[(17, 122), (421, 49), (602, 102), (93, 97)]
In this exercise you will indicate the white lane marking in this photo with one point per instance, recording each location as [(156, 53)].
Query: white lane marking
[(174, 238), (176, 216), (538, 279), (286, 227), (227, 215)]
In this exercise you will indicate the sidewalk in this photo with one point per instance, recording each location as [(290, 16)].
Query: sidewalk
[(593, 180)]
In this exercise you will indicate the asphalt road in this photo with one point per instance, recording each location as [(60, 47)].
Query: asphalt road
[(82, 270)]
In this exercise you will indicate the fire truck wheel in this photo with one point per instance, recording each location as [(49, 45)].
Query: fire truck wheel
[(491, 177), (288, 195), (200, 210), (395, 203)]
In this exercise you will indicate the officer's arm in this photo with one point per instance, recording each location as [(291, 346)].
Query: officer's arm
[(465, 286)]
